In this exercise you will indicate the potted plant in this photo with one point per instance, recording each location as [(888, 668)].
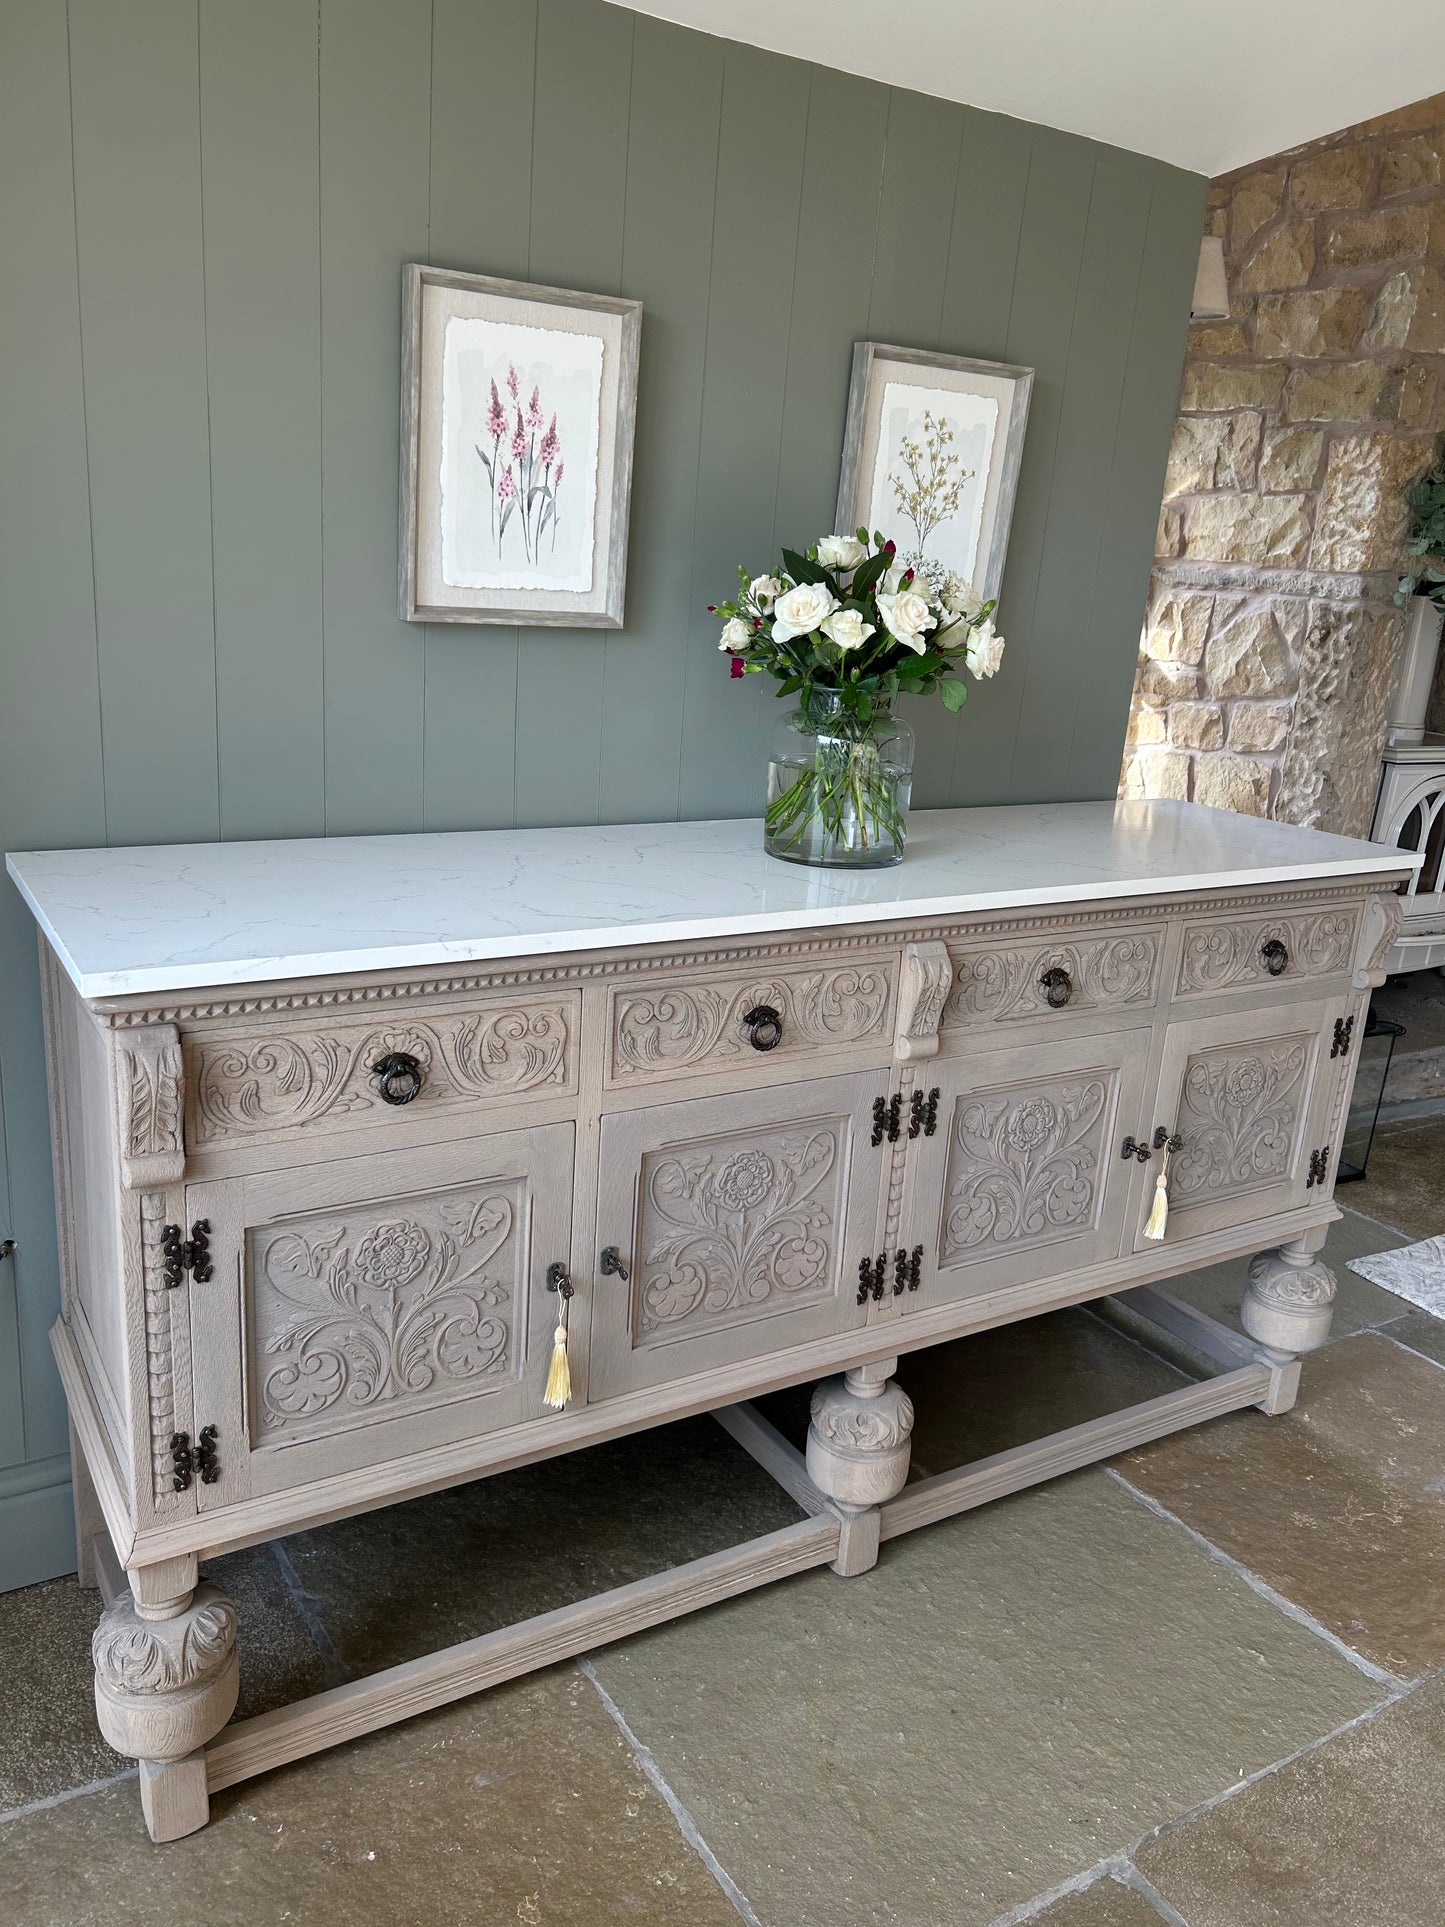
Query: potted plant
[(848, 627)]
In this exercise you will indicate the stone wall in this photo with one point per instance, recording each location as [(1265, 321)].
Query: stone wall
[(1271, 638)]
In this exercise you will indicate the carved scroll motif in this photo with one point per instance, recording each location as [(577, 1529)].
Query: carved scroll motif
[(1239, 1119), (372, 1307), (1226, 956), (671, 1027), (1384, 914), (297, 1077), (1004, 984), (150, 1107), (739, 1228), (1023, 1166)]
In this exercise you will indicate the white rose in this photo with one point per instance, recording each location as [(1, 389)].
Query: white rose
[(765, 590), (907, 617), (985, 650), (841, 552), (848, 629), (893, 578), (736, 634), (960, 598), (802, 610)]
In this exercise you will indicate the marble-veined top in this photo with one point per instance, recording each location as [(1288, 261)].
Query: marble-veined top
[(188, 916)]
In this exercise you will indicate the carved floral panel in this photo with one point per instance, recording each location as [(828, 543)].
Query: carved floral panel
[(245, 1087), (669, 1027), (739, 1227), (376, 1308), (1003, 982), (1221, 955), (1025, 1165), (1240, 1116)]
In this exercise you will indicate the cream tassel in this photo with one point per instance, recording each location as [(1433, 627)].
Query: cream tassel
[(1158, 1218), (559, 1376)]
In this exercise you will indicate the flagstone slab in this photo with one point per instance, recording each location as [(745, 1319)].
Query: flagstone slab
[(524, 1805), (1421, 1331), (1405, 1183), (392, 1584), (1008, 1699), (1108, 1903), (1351, 1835), (1339, 1504)]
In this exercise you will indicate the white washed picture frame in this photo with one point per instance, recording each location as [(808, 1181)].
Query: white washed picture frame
[(989, 404), (486, 536)]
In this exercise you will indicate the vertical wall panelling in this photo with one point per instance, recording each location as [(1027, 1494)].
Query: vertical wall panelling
[(259, 201), (1157, 332), (483, 76), (920, 185), (666, 256), (198, 465), (1088, 423), (1046, 271), (579, 187), (51, 778), (136, 137), (755, 234), (375, 115)]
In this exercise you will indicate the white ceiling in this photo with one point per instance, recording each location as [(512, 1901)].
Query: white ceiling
[(1207, 86)]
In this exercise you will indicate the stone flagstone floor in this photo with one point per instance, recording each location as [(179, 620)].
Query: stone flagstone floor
[(1203, 1685)]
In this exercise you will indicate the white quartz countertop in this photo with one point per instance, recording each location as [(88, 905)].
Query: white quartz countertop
[(187, 916)]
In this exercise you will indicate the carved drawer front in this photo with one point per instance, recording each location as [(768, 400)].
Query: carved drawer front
[(1249, 1095), (261, 1084), (741, 1221), (742, 1018), (1021, 1178), (1035, 980), (376, 1306), (1222, 954)]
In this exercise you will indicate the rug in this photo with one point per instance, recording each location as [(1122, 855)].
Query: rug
[(1414, 1272)]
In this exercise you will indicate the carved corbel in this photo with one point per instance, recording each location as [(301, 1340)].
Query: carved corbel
[(1379, 928), (923, 987), (150, 1105)]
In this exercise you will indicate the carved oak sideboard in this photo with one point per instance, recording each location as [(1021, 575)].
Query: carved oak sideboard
[(341, 1128)]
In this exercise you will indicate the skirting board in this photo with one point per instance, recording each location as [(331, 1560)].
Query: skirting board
[(37, 1523)]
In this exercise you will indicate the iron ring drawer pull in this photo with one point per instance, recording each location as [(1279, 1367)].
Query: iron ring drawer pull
[(399, 1076), (764, 1026), (1274, 956), (1057, 986)]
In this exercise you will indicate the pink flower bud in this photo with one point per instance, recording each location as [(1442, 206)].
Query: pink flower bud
[(512, 380), (735, 668), (496, 416), (534, 409), (557, 478), (505, 488), (547, 453), (519, 440)]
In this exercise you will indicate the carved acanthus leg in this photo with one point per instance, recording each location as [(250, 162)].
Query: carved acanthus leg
[(165, 1683), (1289, 1300), (858, 1448)]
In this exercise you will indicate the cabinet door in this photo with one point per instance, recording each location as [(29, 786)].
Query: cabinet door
[(1248, 1093), (377, 1306), (1022, 1177), (742, 1221)]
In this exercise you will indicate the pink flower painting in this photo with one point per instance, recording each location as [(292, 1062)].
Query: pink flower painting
[(523, 495)]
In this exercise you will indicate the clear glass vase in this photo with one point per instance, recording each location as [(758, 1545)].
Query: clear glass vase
[(838, 789)]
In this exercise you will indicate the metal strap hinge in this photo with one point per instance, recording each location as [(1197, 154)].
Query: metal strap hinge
[(186, 1257), (1319, 1167), (1344, 1031), (194, 1461)]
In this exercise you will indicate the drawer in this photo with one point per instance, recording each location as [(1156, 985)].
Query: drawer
[(1111, 972), (258, 1084), (673, 1026), (1234, 955)]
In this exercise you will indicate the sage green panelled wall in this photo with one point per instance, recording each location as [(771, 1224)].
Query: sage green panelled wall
[(205, 212)]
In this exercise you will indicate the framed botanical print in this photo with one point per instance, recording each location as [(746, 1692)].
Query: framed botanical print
[(931, 456), (517, 412)]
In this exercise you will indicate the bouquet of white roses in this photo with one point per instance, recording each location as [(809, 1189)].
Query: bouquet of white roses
[(848, 627)]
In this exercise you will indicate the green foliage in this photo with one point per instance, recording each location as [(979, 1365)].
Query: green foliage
[(1426, 539)]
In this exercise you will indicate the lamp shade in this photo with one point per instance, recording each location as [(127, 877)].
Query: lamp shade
[(1211, 290)]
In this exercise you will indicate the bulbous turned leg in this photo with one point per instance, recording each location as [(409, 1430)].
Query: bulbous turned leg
[(859, 1441), (1289, 1300), (165, 1683)]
